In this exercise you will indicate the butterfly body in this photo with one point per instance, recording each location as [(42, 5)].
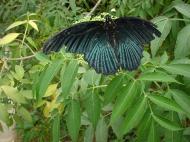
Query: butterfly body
[(106, 45)]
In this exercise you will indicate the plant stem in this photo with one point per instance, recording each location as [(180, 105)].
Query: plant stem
[(94, 8), (27, 46), (20, 59), (25, 32)]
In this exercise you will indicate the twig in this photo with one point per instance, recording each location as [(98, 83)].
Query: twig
[(21, 58), (26, 45), (94, 8)]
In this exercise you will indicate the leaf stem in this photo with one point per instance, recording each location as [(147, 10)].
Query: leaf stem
[(178, 19), (150, 107), (98, 86)]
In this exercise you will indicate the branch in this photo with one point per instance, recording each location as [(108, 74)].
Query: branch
[(21, 58), (94, 8)]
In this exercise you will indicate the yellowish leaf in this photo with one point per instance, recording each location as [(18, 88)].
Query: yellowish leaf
[(50, 106), (15, 24), (51, 90), (33, 24), (8, 38), (13, 94)]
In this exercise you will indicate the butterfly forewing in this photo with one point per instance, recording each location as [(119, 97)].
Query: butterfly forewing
[(141, 30), (68, 37)]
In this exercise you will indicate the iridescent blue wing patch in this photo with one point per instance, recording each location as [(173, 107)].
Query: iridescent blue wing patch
[(133, 32), (129, 54), (101, 56)]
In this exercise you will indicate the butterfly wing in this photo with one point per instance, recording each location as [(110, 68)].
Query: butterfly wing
[(140, 30), (75, 38), (129, 53), (133, 33), (101, 55), (106, 47)]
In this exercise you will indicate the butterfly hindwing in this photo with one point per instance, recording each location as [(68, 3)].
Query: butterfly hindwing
[(129, 53), (133, 33), (102, 56)]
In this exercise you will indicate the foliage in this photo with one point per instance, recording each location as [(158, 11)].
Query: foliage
[(60, 95)]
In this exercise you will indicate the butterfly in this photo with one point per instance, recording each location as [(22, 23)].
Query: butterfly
[(107, 45)]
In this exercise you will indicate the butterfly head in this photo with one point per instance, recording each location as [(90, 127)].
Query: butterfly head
[(108, 19), (109, 23)]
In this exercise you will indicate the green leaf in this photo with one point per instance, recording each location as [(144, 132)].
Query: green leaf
[(173, 126), (175, 28), (112, 89), (47, 76), (31, 42), (92, 78), (134, 115), (42, 57), (4, 115), (124, 100), (166, 103), (180, 61), (164, 26), (144, 127), (101, 131), (68, 77), (179, 69), (89, 134), (157, 76), (16, 24), (73, 119), (73, 5), (182, 99), (182, 47), (164, 58), (19, 72), (183, 9), (153, 135), (93, 107), (27, 94), (56, 128), (8, 38), (25, 114), (33, 25), (116, 126), (186, 131), (13, 94), (173, 136)]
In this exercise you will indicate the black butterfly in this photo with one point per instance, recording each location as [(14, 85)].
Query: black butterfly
[(107, 46)]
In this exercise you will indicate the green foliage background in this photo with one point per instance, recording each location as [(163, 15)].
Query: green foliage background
[(59, 98)]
